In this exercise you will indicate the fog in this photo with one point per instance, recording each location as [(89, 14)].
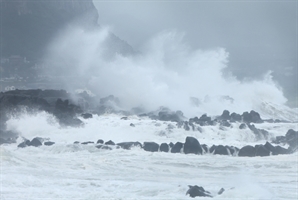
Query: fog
[(258, 35)]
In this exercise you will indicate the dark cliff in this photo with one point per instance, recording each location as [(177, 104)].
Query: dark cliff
[(27, 26)]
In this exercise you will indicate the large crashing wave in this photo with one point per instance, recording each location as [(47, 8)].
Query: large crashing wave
[(167, 73)]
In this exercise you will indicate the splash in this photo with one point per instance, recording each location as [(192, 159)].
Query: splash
[(167, 73)]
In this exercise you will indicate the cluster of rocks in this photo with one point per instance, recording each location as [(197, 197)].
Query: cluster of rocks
[(190, 146)]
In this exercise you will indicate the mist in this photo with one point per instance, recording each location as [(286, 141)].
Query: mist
[(259, 35), (167, 73)]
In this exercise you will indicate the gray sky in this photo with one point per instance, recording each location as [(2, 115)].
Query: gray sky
[(259, 35)]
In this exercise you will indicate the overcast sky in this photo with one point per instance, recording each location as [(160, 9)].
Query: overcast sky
[(259, 35)]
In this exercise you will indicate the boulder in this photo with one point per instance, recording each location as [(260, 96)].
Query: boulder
[(100, 146), (192, 145), (88, 142), (49, 143), (35, 142), (225, 115), (151, 146), (261, 150), (235, 117), (204, 148), (292, 139), (87, 115), (197, 191), (220, 150), (100, 141), (164, 147), (110, 142), (242, 126), (247, 151), (177, 147), (24, 144)]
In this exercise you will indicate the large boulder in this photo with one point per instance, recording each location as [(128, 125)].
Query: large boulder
[(192, 145), (151, 146), (220, 150), (247, 151), (251, 117), (261, 150)]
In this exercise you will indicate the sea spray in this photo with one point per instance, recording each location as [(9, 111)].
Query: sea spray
[(166, 73)]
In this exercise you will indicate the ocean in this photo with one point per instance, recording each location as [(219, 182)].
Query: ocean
[(75, 171)]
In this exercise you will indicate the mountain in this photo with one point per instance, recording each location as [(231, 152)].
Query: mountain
[(27, 26)]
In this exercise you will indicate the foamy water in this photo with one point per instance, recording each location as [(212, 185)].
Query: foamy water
[(73, 171)]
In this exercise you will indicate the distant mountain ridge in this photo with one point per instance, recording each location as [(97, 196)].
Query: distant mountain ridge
[(27, 26)]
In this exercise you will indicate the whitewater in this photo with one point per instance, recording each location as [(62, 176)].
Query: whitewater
[(76, 171), (167, 73)]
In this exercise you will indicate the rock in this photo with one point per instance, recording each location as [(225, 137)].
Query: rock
[(292, 139), (167, 115), (124, 118), (225, 115), (220, 150), (247, 151), (35, 142), (261, 150), (235, 117), (177, 147), (49, 143), (150, 146), (100, 141), (242, 126), (88, 142), (259, 133), (129, 145), (164, 147), (204, 148), (24, 144), (280, 150), (132, 125), (192, 145), (171, 144), (76, 142), (252, 117), (197, 191), (103, 147), (185, 126), (110, 142), (87, 115), (225, 123)]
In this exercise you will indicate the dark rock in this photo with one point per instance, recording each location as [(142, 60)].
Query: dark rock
[(242, 126), (151, 146), (185, 126), (167, 115), (261, 150), (87, 115), (225, 115), (280, 150), (124, 118), (204, 148), (171, 144), (177, 147), (292, 139), (212, 149), (35, 142), (76, 142), (220, 150), (110, 142), (252, 117), (164, 147), (100, 141), (280, 140), (247, 151), (24, 144), (235, 117), (192, 145), (197, 191), (103, 147), (225, 123), (49, 143), (259, 133), (132, 125), (88, 142), (129, 145)]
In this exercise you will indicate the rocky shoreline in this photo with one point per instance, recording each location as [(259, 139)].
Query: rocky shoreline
[(67, 108)]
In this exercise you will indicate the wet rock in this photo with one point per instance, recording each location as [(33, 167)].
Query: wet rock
[(164, 147), (35, 142), (88, 142), (252, 117), (24, 144), (247, 151), (261, 150), (197, 191), (220, 150), (100, 146), (204, 148), (49, 143), (87, 115), (100, 141), (192, 145), (292, 139), (225, 115), (132, 125), (129, 145), (235, 117), (242, 126), (177, 147), (110, 142), (151, 146)]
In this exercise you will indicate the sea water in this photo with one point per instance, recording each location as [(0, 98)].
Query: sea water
[(75, 171)]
